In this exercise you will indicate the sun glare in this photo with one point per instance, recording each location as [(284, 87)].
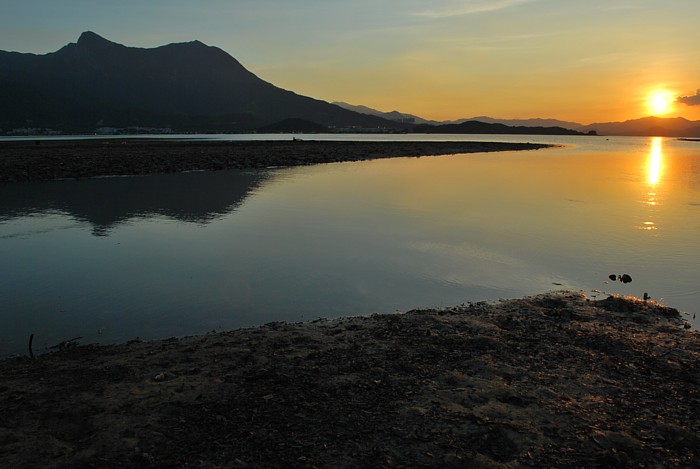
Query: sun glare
[(660, 102)]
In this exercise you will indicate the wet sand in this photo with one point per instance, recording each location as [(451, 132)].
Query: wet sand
[(61, 159), (549, 381)]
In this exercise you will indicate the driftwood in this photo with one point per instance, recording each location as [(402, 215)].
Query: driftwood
[(66, 344), (31, 339)]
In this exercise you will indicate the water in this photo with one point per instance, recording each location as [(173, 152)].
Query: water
[(110, 259)]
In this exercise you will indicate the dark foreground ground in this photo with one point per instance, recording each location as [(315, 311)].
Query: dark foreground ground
[(29, 160), (548, 381)]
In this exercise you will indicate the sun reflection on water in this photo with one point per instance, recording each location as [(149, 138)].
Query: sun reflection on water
[(655, 164), (654, 172)]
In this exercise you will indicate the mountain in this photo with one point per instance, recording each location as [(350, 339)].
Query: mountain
[(392, 116), (186, 86), (191, 86), (476, 127), (399, 116), (536, 122), (649, 126)]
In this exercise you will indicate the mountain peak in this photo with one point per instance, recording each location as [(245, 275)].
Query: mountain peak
[(90, 39)]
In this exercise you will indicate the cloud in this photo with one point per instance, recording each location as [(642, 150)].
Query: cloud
[(470, 7), (690, 100)]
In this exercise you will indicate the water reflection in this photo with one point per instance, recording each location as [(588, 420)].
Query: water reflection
[(655, 165), (197, 197), (654, 172), (345, 239)]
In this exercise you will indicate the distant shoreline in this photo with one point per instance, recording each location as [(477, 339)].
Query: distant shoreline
[(70, 159)]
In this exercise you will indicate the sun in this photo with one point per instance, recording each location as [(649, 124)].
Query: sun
[(660, 102)]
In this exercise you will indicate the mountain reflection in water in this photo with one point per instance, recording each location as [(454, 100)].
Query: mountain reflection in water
[(197, 197)]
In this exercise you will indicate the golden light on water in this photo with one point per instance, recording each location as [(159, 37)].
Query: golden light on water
[(655, 164), (654, 172)]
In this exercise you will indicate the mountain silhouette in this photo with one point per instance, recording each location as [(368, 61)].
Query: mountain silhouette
[(399, 116), (392, 115), (532, 122), (185, 86), (477, 127), (646, 126), (649, 126)]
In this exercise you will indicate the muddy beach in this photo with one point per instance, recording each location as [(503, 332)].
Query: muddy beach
[(62, 159), (548, 381)]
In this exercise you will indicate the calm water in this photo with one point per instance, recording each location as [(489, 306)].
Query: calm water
[(111, 259)]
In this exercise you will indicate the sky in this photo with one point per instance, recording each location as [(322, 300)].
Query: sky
[(583, 61)]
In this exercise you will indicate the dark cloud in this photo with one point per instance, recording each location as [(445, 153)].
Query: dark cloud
[(690, 100)]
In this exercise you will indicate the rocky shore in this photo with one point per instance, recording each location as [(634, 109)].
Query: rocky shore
[(555, 380), (62, 159)]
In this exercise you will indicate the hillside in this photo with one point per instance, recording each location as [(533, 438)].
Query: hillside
[(187, 86)]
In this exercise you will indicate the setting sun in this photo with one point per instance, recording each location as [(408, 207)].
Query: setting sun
[(660, 102)]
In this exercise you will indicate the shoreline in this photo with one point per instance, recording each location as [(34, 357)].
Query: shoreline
[(543, 381), (69, 159)]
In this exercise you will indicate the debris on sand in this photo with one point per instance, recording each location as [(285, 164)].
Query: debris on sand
[(624, 278)]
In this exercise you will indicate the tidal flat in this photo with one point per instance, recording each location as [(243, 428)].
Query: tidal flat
[(546, 381), (64, 159)]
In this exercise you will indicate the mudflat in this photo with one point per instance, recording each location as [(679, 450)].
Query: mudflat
[(62, 159), (555, 380)]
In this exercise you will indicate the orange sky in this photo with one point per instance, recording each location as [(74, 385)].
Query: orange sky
[(591, 61)]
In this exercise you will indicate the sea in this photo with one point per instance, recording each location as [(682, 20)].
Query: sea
[(113, 259)]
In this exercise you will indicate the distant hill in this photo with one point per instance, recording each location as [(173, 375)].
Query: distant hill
[(186, 86), (649, 126), (476, 127), (392, 115), (535, 122), (397, 116)]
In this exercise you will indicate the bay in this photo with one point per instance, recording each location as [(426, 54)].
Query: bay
[(112, 259)]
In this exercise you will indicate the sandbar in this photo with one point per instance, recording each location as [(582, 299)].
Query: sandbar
[(67, 159)]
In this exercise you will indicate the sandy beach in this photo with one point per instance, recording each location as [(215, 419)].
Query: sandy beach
[(62, 159), (549, 381)]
